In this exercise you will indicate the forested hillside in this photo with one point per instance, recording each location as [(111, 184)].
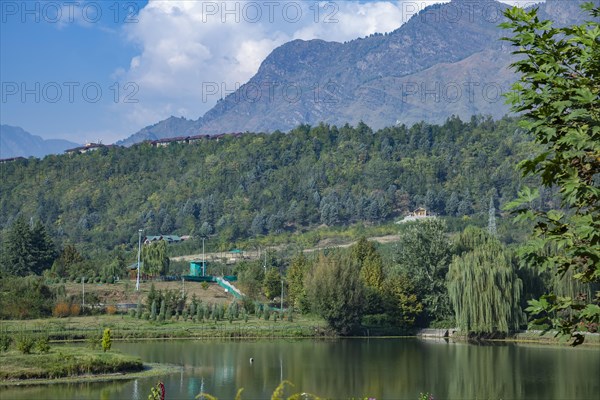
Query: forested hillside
[(254, 184)]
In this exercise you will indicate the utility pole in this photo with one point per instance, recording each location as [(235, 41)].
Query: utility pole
[(203, 259), (265, 264), (282, 295), (137, 281)]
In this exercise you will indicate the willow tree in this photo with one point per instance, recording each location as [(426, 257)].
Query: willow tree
[(154, 256), (484, 288)]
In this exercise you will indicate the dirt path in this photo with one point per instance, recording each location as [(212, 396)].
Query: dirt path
[(255, 254)]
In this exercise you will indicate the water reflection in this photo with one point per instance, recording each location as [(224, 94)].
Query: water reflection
[(376, 368)]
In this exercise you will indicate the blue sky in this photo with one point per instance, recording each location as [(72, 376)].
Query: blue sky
[(101, 70)]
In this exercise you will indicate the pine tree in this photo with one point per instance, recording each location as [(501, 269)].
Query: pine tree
[(42, 248), (27, 250), (199, 312), (17, 258), (138, 309), (492, 218), (452, 205), (163, 310), (153, 311), (106, 340)]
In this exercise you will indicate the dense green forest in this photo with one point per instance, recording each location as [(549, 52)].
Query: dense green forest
[(69, 216), (256, 184)]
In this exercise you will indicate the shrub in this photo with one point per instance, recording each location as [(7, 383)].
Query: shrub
[(131, 313), (42, 344), (111, 310), (204, 285), (75, 309), (5, 341), (94, 342), (24, 343), (61, 310)]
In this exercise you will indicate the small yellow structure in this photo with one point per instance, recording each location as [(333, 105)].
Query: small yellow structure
[(419, 213)]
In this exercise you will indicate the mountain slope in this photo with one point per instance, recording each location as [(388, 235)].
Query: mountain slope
[(245, 186), (447, 60), (16, 142), (170, 127)]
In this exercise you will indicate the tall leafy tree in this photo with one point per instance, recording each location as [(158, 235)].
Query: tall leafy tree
[(424, 256), (483, 285), (272, 283), (400, 300), (296, 274), (558, 94), (335, 291), (370, 262)]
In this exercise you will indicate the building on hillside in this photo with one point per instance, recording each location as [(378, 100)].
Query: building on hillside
[(418, 214), (168, 141), (7, 160), (87, 148), (197, 138), (167, 238)]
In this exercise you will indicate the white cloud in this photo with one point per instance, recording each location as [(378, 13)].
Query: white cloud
[(186, 45)]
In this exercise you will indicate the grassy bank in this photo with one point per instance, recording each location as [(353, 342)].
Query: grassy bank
[(61, 362), (126, 327)]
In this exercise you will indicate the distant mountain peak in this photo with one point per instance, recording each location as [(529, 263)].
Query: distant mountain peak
[(17, 142), (442, 62)]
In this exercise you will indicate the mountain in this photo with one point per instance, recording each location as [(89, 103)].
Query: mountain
[(16, 142), (170, 127), (446, 60)]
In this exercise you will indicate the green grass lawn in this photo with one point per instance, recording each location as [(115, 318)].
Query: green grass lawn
[(126, 327), (65, 362)]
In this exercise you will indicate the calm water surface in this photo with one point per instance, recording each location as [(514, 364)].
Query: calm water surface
[(375, 368)]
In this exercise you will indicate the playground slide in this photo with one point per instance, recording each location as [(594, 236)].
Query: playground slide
[(230, 288)]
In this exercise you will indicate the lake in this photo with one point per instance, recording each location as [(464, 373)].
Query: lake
[(351, 368)]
